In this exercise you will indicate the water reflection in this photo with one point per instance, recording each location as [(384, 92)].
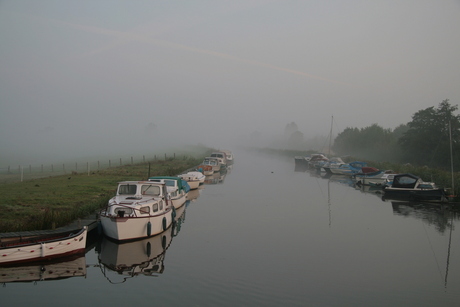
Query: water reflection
[(44, 271), (438, 215), (143, 257)]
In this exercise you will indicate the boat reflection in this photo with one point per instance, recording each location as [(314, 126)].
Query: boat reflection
[(68, 267), (438, 215), (131, 259), (193, 195), (216, 178)]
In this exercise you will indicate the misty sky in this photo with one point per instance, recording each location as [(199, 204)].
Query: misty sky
[(91, 76)]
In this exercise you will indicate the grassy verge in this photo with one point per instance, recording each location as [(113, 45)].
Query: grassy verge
[(56, 201)]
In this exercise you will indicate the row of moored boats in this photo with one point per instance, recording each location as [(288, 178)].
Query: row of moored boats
[(394, 186), (140, 209)]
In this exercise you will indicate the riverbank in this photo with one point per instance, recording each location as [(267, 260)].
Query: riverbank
[(47, 203)]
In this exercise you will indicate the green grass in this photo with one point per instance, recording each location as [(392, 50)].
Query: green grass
[(56, 201)]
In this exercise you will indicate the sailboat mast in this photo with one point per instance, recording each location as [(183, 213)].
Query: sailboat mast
[(451, 158), (330, 137)]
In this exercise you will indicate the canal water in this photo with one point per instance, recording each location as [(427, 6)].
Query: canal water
[(265, 235)]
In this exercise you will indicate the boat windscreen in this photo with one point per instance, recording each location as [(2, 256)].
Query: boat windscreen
[(127, 189)]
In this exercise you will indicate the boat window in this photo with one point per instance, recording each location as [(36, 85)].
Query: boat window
[(170, 183), (406, 180), (127, 189), (145, 210), (161, 205), (126, 211), (153, 190), (155, 207)]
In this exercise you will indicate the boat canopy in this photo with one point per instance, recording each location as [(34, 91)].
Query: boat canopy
[(407, 181), (182, 185)]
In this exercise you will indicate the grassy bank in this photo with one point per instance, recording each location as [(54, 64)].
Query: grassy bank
[(56, 201)]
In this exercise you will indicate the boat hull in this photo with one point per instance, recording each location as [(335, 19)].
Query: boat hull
[(134, 228), (60, 246), (434, 195)]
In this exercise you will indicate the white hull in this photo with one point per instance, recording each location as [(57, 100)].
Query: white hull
[(132, 228), (45, 249), (179, 201)]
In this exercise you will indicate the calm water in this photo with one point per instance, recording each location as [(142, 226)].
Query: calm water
[(266, 235)]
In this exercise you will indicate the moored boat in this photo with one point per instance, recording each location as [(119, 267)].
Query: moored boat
[(140, 209), (194, 179), (177, 188), (49, 246), (413, 188), (214, 162), (205, 169)]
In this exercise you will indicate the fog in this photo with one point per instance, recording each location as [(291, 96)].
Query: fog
[(98, 77)]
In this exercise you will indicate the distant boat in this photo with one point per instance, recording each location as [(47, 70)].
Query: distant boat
[(177, 188), (194, 179), (36, 248)]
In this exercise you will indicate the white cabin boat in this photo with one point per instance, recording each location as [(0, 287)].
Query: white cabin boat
[(194, 179), (140, 209), (216, 163), (177, 188)]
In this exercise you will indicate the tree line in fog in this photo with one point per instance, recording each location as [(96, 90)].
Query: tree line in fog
[(425, 140)]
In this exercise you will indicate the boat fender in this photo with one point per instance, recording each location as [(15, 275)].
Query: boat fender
[(164, 223), (149, 229), (163, 242)]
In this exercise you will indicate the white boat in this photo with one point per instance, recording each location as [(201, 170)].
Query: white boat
[(194, 179), (221, 155), (229, 156), (177, 188), (49, 246), (214, 162), (140, 209), (207, 170)]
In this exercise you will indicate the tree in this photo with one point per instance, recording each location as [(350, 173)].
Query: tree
[(426, 142)]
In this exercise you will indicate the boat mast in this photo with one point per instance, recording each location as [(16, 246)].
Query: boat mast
[(451, 158), (330, 137)]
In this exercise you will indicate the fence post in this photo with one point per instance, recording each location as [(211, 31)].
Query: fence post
[(120, 161)]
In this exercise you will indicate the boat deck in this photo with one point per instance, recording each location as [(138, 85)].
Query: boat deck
[(91, 222)]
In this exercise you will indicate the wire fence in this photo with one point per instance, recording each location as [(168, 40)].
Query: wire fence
[(29, 171)]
